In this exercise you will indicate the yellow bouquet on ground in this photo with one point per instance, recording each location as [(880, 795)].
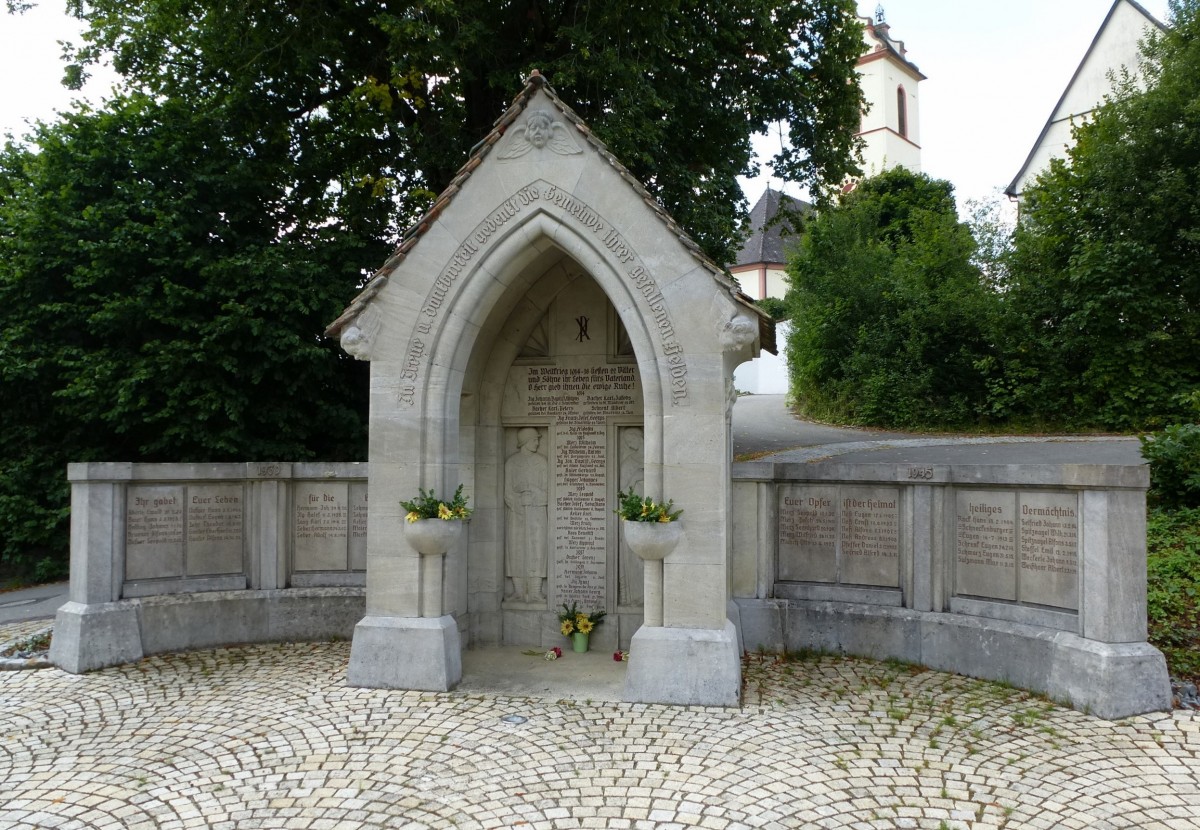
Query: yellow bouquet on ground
[(574, 621), (428, 506)]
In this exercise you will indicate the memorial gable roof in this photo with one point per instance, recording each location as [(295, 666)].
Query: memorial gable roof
[(536, 85)]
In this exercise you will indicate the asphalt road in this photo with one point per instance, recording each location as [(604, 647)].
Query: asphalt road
[(32, 603), (764, 428)]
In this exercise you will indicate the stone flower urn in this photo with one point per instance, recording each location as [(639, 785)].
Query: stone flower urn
[(432, 538), (652, 542)]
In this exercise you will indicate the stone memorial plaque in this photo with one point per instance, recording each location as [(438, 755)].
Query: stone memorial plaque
[(1049, 539), (358, 527), (580, 506), (808, 533), (581, 395), (571, 438), (215, 529), (869, 536), (985, 563), (153, 532), (320, 526)]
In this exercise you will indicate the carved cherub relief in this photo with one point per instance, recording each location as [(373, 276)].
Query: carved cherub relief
[(541, 131)]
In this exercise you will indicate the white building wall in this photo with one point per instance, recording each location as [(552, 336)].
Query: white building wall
[(766, 374), (1116, 48)]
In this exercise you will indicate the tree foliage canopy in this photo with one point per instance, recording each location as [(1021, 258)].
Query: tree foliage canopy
[(382, 99), (1104, 283), (158, 303), (168, 263), (890, 316)]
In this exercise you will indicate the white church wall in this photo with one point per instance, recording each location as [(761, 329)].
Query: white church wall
[(1116, 48), (766, 374)]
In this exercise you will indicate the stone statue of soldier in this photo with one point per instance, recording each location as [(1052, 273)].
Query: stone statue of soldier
[(526, 476)]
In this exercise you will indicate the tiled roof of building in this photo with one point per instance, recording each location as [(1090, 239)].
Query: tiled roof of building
[(769, 239), (535, 83)]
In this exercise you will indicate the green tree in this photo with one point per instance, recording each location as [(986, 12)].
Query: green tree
[(891, 317), (1103, 298), (386, 99), (157, 304), (167, 264)]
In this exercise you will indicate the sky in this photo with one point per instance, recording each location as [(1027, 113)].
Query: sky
[(995, 71)]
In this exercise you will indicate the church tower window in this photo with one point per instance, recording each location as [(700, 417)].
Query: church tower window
[(902, 111)]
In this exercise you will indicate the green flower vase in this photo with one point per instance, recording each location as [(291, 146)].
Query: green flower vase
[(579, 642)]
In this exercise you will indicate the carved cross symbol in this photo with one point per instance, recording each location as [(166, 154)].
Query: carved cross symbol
[(583, 323)]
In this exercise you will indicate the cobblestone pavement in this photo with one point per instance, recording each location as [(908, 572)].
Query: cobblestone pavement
[(21, 630), (271, 737)]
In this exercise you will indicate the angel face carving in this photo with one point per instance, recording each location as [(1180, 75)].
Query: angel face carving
[(538, 129), (541, 131)]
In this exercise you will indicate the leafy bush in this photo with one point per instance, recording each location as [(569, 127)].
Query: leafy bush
[(774, 306), (1173, 582), (1105, 275), (891, 317), (1174, 456)]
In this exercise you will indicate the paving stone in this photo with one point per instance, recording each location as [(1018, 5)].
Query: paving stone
[(270, 736)]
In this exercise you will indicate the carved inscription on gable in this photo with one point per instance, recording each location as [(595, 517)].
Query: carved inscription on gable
[(416, 357)]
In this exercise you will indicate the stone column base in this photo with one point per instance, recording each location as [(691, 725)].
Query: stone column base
[(689, 666), (421, 653), (88, 637)]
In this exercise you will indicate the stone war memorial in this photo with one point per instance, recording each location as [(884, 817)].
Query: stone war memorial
[(546, 336)]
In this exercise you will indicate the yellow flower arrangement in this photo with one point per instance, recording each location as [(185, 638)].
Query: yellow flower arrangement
[(634, 508), (573, 621), (429, 506)]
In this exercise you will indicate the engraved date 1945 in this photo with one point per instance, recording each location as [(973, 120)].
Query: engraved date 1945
[(922, 473)]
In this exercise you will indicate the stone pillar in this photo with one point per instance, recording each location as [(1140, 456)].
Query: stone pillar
[(1113, 607), (694, 657), (93, 629), (268, 524), (398, 644)]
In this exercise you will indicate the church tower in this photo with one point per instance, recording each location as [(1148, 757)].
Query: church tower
[(891, 125)]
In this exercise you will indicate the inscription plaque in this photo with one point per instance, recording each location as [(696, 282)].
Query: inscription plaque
[(1049, 540), (846, 535), (985, 544), (808, 534), (581, 398), (580, 538), (153, 532), (869, 536), (214, 529), (320, 526)]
